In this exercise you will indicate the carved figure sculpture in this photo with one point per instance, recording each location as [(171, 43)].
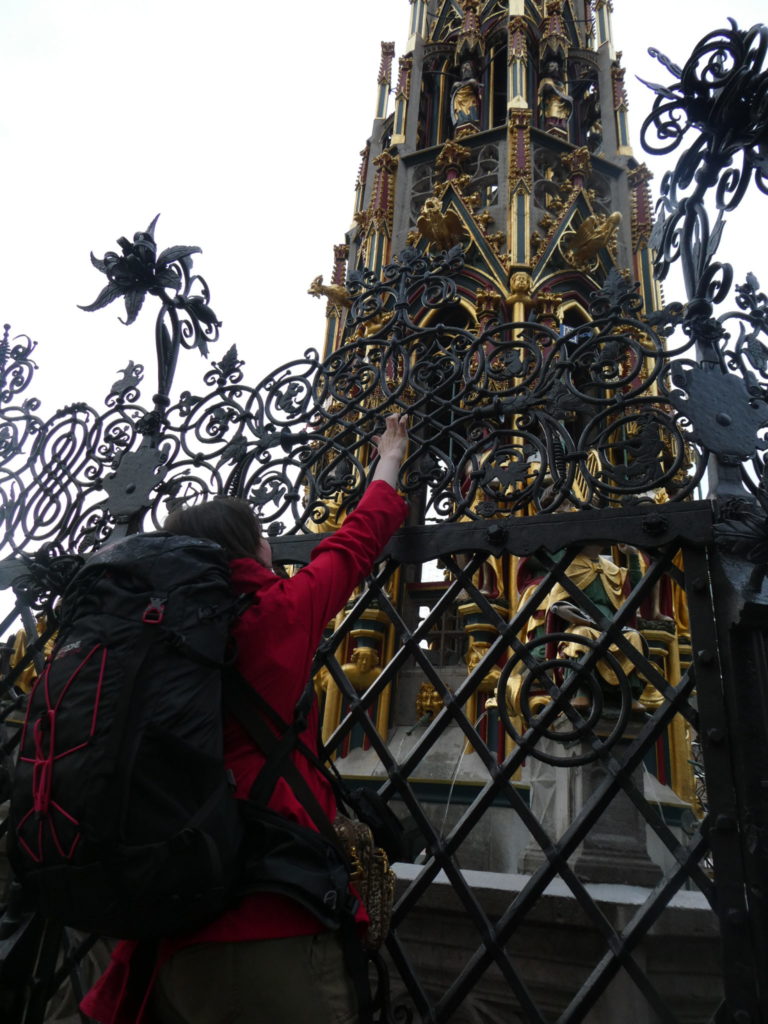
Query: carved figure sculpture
[(592, 121), (364, 668), (603, 582), (465, 99), (475, 653), (555, 104), (442, 229), (593, 234), (428, 702), (521, 288), (482, 699), (336, 293)]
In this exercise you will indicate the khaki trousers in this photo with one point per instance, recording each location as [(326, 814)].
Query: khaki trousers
[(272, 981)]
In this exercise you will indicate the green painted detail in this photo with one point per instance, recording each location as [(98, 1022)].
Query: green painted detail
[(602, 24), (623, 133), (521, 204)]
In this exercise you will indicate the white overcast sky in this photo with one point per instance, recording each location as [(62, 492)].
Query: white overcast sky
[(241, 124)]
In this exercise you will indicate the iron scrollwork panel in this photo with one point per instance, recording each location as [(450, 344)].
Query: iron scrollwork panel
[(506, 418), (509, 418)]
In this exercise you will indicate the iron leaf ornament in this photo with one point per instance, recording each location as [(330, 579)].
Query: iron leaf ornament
[(16, 364), (721, 93)]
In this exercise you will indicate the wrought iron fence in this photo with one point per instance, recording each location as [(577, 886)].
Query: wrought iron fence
[(530, 449)]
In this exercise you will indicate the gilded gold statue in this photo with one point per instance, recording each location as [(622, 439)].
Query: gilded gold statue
[(555, 104), (442, 229), (364, 668), (465, 99), (476, 651), (581, 248), (604, 583), (29, 673), (336, 293)]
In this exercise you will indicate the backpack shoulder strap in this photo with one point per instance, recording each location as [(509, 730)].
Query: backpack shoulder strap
[(250, 709)]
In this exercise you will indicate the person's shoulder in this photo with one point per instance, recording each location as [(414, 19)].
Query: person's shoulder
[(246, 572)]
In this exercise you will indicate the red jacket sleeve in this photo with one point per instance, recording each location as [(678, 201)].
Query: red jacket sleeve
[(342, 560)]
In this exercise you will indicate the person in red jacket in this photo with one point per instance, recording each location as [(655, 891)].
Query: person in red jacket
[(267, 960)]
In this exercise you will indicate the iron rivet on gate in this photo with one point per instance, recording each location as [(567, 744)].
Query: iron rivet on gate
[(706, 655), (715, 735), (654, 525), (497, 535)]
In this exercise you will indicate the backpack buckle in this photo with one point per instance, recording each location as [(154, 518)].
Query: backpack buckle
[(154, 612)]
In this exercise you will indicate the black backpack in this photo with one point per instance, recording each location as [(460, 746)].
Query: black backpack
[(123, 819)]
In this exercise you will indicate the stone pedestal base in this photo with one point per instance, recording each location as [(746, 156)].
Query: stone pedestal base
[(555, 947), (614, 850)]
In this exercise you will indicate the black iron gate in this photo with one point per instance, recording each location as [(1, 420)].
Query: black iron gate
[(605, 746), (556, 677)]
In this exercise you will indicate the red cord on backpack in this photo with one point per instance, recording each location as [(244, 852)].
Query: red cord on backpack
[(44, 809)]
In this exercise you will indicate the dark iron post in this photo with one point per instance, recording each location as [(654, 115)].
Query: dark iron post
[(720, 97)]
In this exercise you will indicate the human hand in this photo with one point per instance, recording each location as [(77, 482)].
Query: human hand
[(393, 442), (391, 447)]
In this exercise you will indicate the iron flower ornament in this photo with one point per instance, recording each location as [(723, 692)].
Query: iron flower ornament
[(138, 270), (185, 318)]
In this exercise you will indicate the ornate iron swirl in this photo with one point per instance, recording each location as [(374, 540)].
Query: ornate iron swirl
[(44, 577), (503, 416), (16, 365), (510, 417), (561, 699), (721, 93), (412, 280)]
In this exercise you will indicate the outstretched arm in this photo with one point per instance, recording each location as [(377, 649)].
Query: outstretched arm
[(391, 446)]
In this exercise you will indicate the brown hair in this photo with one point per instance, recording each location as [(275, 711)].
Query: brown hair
[(228, 521)]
